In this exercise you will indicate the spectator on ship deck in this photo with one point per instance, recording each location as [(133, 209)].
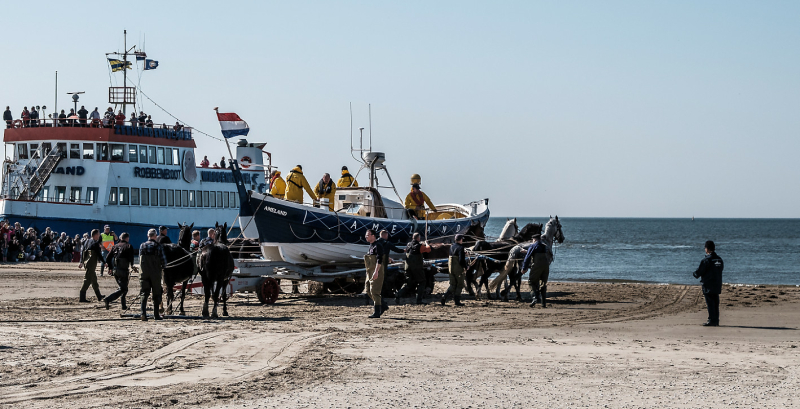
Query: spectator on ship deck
[(142, 118), (149, 122), (109, 117), (134, 121), (72, 115), (7, 117), (82, 115), (119, 119), (34, 116), (222, 163), (62, 118), (204, 163), (95, 115), (177, 127), (26, 117)]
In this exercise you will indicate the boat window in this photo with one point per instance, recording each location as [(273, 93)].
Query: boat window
[(34, 147), (134, 196), (176, 158), (153, 197), (61, 194), (22, 151), (162, 197), (145, 196), (169, 156), (112, 196), (133, 153), (226, 199), (152, 150), (199, 198), (142, 154), (170, 197), (177, 198), (88, 151), (205, 199), (102, 151), (74, 151), (219, 199), (46, 148), (160, 156), (235, 200), (44, 194), (117, 152), (123, 196), (91, 194), (75, 194), (232, 199), (191, 198), (185, 198), (62, 149)]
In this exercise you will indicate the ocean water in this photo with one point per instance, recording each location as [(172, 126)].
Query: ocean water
[(755, 251)]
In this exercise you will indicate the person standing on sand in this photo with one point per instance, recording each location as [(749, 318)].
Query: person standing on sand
[(151, 262), (121, 258), (376, 270), (536, 260), (710, 274), (457, 263), (89, 256)]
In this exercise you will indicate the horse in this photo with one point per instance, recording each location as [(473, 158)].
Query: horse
[(180, 266), (216, 268)]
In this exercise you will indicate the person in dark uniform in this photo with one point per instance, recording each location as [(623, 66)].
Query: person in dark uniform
[(414, 269), (151, 261), (710, 274), (121, 258), (89, 256), (376, 270), (536, 260), (457, 264), (162, 237)]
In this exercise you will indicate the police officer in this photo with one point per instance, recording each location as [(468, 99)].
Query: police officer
[(414, 269), (162, 237), (536, 260), (457, 263), (710, 274), (151, 261), (89, 256), (376, 270), (121, 258)]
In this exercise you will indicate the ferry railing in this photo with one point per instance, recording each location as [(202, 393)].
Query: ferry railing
[(74, 122)]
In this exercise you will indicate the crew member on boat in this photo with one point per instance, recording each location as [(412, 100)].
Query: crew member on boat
[(295, 184), (347, 180), (325, 189), (416, 199), (277, 185), (376, 270)]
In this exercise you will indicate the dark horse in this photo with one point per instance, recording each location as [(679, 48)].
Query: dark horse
[(216, 267), (180, 266)]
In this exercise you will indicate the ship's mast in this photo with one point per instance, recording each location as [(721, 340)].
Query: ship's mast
[(128, 94)]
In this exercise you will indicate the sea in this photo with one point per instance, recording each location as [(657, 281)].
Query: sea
[(755, 251)]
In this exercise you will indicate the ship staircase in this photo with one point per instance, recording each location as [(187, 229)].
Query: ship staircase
[(29, 180)]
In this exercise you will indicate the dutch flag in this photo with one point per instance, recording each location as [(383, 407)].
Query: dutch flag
[(232, 125)]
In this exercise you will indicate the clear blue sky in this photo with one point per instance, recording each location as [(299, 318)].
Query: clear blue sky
[(639, 108)]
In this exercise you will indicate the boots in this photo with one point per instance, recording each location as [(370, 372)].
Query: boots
[(543, 295), (536, 298), (122, 301), (444, 298), (83, 297), (377, 313), (144, 308), (156, 313), (384, 306), (457, 300)]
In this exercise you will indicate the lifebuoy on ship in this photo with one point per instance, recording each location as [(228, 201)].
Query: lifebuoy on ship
[(246, 162), (17, 123)]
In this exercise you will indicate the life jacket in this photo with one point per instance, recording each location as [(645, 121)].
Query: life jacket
[(418, 197), (292, 173), (107, 241), (323, 188)]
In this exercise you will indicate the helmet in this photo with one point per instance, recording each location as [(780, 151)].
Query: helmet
[(415, 178)]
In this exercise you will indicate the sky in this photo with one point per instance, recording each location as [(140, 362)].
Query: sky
[(575, 108)]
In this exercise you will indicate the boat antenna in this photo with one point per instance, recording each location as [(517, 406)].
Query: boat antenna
[(370, 127), (351, 133), (56, 104)]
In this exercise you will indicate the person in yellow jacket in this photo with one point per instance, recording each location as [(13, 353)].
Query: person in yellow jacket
[(347, 180), (415, 202), (278, 189), (326, 189), (295, 183)]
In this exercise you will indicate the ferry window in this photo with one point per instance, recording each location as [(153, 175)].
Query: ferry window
[(219, 199), (102, 151), (170, 197), (133, 153), (22, 151), (162, 197), (177, 198), (112, 196), (226, 199), (176, 158), (61, 194), (169, 156), (117, 152), (74, 151), (134, 196), (160, 156), (153, 197), (199, 196), (232, 200), (123, 196), (75, 194), (88, 151), (91, 194), (46, 148), (236, 200), (185, 198), (205, 199), (62, 149), (191, 198), (142, 153), (145, 196), (152, 154), (212, 200), (34, 147), (44, 194)]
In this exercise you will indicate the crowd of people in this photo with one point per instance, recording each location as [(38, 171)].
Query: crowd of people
[(20, 244), (29, 118)]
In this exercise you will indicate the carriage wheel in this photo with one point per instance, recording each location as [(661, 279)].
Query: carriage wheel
[(267, 292)]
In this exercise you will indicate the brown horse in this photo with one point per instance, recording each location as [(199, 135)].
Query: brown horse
[(216, 268)]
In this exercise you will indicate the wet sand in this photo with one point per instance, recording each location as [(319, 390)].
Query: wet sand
[(597, 345)]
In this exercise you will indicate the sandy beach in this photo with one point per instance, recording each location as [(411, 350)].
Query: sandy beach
[(596, 345)]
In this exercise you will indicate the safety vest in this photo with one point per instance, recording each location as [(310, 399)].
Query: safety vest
[(107, 241)]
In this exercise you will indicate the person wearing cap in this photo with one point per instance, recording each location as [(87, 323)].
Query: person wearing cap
[(121, 257), (277, 185), (710, 275), (107, 239), (417, 199), (326, 189), (536, 260), (89, 255), (162, 237), (295, 184), (151, 262), (376, 271), (347, 180), (457, 264), (414, 269)]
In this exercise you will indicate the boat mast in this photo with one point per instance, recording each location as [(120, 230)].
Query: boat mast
[(125, 66), (126, 97)]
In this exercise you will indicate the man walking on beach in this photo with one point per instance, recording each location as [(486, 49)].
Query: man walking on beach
[(457, 263), (89, 257), (710, 274), (536, 260), (151, 261), (121, 258)]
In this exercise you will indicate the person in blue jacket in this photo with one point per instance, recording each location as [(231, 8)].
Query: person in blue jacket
[(710, 275)]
